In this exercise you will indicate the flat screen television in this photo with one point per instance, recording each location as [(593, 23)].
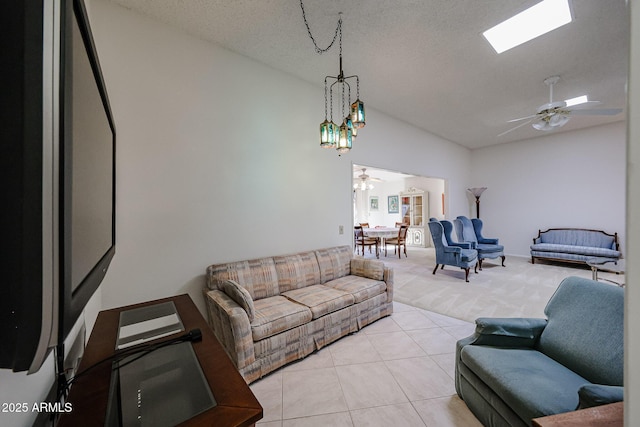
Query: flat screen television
[(58, 169)]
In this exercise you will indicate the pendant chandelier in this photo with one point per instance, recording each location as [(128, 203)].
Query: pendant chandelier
[(333, 135)]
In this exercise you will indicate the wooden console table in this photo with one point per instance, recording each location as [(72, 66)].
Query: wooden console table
[(236, 404), (610, 415)]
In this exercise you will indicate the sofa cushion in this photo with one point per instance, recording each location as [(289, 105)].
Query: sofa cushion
[(334, 262), (591, 251), (276, 314), (361, 288), (240, 295), (529, 382), (584, 331), (297, 271), (320, 299), (371, 268), (257, 276)]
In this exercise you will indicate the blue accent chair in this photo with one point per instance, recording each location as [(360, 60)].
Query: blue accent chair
[(456, 255), (514, 369), (471, 231)]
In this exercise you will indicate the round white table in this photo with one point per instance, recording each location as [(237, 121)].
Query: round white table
[(381, 233)]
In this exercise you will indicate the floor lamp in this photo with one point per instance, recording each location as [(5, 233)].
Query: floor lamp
[(477, 192)]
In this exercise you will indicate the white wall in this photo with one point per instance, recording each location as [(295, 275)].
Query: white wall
[(632, 309), (570, 179), (433, 188), (218, 159), (382, 190)]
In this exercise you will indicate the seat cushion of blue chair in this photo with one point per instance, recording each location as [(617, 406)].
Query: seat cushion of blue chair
[(468, 255), (485, 248), (544, 385)]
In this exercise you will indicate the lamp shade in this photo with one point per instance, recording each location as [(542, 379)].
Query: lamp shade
[(476, 191), (354, 130), (345, 140), (357, 114), (328, 134)]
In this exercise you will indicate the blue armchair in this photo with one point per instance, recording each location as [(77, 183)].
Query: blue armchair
[(514, 369), (458, 255), (471, 231)]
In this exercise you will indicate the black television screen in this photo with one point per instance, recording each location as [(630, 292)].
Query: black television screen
[(57, 168), (88, 153)]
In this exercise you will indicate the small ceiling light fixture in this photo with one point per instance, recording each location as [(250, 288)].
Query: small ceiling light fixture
[(333, 135), (539, 19)]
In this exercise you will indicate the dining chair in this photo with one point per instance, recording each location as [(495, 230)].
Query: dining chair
[(398, 242), (364, 224), (362, 240)]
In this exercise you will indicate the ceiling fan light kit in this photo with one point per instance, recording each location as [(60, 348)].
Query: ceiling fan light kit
[(365, 181), (333, 135)]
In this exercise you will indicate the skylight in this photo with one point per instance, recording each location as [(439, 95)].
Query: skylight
[(529, 24), (577, 100)]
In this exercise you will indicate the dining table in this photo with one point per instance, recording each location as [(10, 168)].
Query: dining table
[(381, 233)]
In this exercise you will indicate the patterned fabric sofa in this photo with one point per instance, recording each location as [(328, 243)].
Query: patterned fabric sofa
[(574, 245), (271, 311)]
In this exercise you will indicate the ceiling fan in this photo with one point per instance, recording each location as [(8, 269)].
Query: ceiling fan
[(554, 115), (363, 181)]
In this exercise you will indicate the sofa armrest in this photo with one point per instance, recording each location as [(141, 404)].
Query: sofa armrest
[(508, 332), (230, 324), (388, 279), (598, 394)]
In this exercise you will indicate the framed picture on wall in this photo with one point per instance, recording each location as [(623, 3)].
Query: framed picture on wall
[(373, 203), (392, 204)]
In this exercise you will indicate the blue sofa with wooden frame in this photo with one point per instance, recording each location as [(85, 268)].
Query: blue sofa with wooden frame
[(574, 245), (513, 370)]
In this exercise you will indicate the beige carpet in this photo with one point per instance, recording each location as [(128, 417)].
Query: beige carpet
[(520, 289)]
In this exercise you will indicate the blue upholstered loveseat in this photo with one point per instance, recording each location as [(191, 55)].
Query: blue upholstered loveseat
[(513, 370), (574, 245)]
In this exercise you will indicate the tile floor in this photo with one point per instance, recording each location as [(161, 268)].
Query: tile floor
[(398, 371)]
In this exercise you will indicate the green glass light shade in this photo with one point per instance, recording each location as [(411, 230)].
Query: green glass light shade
[(357, 114), (328, 134), (354, 130), (345, 140)]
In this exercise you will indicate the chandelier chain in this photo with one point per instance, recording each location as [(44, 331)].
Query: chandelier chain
[(335, 34)]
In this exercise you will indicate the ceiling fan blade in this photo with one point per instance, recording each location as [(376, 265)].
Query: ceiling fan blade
[(600, 112), (583, 105), (522, 118), (517, 127)]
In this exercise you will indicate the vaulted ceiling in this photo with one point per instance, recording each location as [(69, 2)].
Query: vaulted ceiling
[(425, 61)]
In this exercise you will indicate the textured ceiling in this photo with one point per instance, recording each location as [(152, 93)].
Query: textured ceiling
[(426, 61)]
